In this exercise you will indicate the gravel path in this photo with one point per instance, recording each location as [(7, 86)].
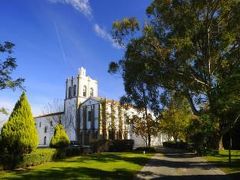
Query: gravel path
[(179, 166)]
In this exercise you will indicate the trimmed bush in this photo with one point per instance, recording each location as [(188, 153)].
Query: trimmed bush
[(146, 149), (121, 145), (74, 151), (60, 138), (19, 134), (36, 157), (175, 145), (100, 146)]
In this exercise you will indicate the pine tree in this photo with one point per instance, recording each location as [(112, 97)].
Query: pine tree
[(60, 138), (19, 134)]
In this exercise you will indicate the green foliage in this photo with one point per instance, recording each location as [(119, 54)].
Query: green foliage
[(146, 149), (73, 151), (93, 166), (3, 111), (143, 126), (121, 145), (187, 46), (39, 156), (103, 114), (36, 157), (7, 67), (176, 118), (202, 131), (175, 145), (60, 138), (19, 134)]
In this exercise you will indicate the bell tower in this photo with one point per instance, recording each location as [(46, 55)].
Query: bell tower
[(78, 89)]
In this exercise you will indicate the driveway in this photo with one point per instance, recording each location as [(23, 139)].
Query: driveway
[(173, 165)]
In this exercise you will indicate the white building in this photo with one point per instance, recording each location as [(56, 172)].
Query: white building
[(88, 117)]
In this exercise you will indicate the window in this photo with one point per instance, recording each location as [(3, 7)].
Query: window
[(69, 92), (74, 90), (51, 123), (45, 129), (45, 140), (91, 92), (84, 91), (40, 124), (89, 115)]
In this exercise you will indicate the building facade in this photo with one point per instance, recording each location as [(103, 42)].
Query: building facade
[(88, 117)]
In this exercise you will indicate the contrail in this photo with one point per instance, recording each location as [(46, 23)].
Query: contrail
[(60, 43)]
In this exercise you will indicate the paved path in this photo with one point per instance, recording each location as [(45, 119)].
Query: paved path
[(180, 166)]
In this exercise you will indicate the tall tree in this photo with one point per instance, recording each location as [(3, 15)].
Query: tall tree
[(7, 66), (189, 46), (19, 134), (176, 118)]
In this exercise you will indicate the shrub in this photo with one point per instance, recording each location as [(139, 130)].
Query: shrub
[(100, 145), (146, 149), (36, 157), (74, 151), (121, 145), (60, 138), (176, 145), (19, 134)]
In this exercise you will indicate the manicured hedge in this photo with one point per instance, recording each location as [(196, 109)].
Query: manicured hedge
[(100, 146), (146, 149), (73, 151), (36, 157), (121, 145), (176, 145)]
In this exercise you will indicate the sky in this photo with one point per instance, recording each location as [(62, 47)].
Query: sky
[(53, 38)]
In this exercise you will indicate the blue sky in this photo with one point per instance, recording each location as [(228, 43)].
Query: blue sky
[(54, 38)]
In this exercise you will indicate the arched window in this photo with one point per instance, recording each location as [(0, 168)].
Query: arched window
[(69, 92), (84, 91), (91, 92), (45, 140), (40, 124), (74, 90), (45, 129)]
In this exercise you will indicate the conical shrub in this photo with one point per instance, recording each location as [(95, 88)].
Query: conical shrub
[(19, 134), (60, 138)]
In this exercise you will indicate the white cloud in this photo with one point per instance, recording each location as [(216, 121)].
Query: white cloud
[(82, 6), (101, 32)]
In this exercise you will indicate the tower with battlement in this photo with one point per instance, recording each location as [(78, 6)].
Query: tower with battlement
[(78, 89)]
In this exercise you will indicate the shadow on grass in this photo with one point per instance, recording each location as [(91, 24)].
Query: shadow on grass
[(111, 157), (85, 172), (74, 173)]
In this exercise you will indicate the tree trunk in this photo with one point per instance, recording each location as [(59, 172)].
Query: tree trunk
[(149, 140), (220, 144)]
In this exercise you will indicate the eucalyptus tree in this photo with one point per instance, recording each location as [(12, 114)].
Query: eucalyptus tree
[(188, 46)]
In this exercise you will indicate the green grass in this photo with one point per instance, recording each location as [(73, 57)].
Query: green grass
[(220, 159), (99, 166)]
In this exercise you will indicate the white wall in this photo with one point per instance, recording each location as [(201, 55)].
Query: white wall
[(88, 103), (45, 121)]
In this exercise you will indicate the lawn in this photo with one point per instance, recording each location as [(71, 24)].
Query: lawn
[(220, 159), (99, 166)]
